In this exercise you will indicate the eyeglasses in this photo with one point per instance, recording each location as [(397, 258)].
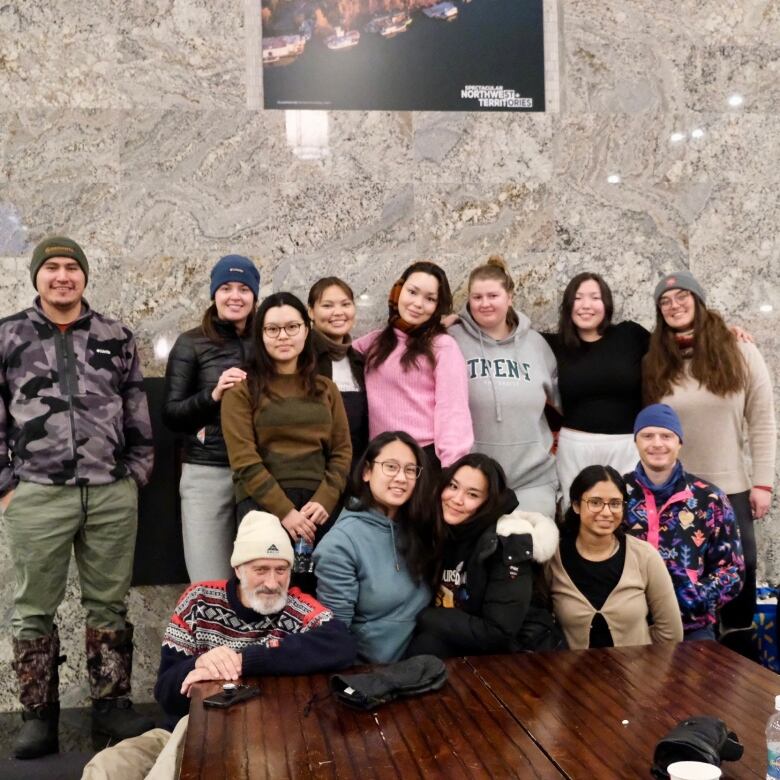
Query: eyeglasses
[(274, 331), (391, 467), (615, 505), (678, 299)]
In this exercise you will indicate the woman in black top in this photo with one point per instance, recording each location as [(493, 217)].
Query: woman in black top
[(599, 378), (332, 312), (491, 596), (202, 365)]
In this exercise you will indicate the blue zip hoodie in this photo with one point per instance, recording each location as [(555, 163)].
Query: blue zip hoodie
[(363, 579)]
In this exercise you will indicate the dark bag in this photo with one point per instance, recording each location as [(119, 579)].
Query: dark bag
[(700, 738), (367, 691)]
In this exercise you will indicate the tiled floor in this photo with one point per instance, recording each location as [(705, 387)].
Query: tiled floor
[(76, 746)]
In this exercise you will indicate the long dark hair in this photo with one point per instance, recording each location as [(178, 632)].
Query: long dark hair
[(414, 520), (208, 324), (420, 339), (583, 482), (496, 484), (263, 367), (716, 363), (567, 330)]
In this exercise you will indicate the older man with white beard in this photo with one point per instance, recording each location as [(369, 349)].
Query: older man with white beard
[(250, 625)]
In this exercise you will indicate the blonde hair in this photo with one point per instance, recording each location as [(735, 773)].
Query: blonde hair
[(496, 269)]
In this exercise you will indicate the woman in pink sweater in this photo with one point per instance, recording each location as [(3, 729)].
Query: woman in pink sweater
[(415, 373)]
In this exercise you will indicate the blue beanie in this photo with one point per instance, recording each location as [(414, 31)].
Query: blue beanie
[(235, 268), (658, 416)]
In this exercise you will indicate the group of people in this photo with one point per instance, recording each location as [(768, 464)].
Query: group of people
[(406, 482)]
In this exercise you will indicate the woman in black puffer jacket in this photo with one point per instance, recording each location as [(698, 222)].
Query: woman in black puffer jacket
[(203, 363), (492, 596)]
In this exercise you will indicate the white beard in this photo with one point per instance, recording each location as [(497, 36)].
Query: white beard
[(267, 604)]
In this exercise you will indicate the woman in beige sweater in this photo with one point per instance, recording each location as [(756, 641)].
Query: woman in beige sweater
[(604, 584), (722, 392)]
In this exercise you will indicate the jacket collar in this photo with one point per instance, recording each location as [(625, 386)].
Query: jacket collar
[(37, 310)]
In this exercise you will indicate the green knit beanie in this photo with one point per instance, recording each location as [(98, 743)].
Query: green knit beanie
[(57, 246)]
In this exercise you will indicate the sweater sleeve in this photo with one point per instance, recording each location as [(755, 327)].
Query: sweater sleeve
[(504, 608), (337, 577), (174, 667), (249, 470), (760, 417), (186, 410), (453, 435), (328, 647), (551, 380), (339, 454), (661, 600)]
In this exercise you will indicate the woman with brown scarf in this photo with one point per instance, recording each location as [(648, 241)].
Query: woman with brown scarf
[(332, 312)]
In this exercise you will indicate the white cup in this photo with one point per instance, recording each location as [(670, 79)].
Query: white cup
[(693, 770)]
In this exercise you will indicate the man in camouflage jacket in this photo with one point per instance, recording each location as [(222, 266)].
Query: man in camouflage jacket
[(687, 519), (75, 444)]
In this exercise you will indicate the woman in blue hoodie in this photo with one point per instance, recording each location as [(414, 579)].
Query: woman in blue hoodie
[(375, 566), (512, 376)]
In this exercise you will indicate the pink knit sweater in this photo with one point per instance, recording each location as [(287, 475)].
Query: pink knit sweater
[(430, 404)]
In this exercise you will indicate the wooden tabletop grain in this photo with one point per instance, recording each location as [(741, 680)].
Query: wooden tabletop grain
[(543, 715)]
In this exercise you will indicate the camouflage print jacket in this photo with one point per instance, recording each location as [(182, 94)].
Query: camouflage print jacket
[(72, 405)]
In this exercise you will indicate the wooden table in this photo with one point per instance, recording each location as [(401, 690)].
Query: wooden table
[(573, 703), (545, 715)]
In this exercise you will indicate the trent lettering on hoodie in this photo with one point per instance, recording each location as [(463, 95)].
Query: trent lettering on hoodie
[(500, 368)]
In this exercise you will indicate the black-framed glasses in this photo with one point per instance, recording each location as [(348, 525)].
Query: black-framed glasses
[(391, 467), (614, 505), (274, 331)]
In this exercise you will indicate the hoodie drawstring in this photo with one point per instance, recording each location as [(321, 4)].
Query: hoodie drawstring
[(395, 551), (496, 402)]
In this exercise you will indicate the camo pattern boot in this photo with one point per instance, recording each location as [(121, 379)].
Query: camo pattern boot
[(35, 663), (110, 664)]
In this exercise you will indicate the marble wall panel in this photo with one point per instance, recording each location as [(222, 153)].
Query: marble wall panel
[(183, 54), (125, 125)]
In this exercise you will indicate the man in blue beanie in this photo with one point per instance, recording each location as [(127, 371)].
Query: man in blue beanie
[(688, 520)]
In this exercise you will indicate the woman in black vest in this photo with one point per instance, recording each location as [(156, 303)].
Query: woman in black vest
[(332, 312)]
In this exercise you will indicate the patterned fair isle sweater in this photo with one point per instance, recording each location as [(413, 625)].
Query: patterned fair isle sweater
[(303, 638)]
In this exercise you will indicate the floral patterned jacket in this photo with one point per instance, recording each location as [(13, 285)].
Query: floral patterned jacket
[(696, 533)]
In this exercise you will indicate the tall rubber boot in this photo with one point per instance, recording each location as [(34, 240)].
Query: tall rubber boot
[(110, 665), (36, 664)]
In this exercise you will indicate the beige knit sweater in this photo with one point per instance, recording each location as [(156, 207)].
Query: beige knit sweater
[(644, 587), (715, 428)]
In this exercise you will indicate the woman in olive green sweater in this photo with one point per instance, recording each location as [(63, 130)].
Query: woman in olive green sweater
[(285, 427)]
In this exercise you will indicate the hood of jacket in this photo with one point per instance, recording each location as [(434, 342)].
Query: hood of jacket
[(470, 326), (542, 529)]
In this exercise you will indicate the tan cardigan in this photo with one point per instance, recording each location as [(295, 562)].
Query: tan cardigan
[(645, 586), (714, 428)]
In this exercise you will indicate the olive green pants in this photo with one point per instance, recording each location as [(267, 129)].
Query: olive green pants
[(43, 523)]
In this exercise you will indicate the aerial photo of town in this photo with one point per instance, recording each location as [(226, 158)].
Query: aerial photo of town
[(403, 54)]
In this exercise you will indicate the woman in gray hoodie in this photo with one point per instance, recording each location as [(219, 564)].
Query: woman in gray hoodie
[(512, 376), (376, 565)]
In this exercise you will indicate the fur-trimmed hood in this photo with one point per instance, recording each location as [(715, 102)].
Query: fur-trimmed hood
[(542, 529)]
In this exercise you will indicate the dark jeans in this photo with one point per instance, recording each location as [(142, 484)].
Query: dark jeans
[(739, 612)]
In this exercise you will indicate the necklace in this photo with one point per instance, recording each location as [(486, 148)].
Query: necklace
[(596, 557)]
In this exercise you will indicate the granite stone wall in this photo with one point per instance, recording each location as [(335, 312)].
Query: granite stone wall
[(125, 125)]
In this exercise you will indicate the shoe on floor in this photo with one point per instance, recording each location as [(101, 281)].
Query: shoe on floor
[(39, 733), (116, 718)]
